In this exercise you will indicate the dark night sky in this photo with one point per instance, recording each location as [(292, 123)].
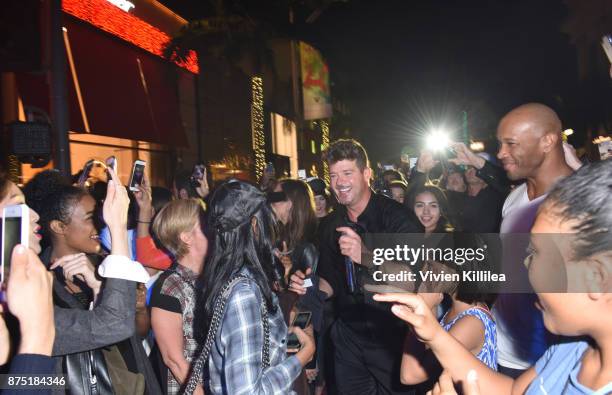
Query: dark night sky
[(400, 64), (410, 63)]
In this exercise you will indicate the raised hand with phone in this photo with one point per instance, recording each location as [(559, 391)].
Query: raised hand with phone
[(301, 319), (199, 180), (85, 172), (15, 230), (111, 163), (137, 176), (426, 162), (29, 297), (115, 213), (466, 157), (69, 256), (300, 339), (144, 198)]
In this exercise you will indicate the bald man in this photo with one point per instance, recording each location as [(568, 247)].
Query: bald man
[(531, 149)]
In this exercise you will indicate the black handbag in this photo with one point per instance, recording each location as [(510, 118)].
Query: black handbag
[(87, 373)]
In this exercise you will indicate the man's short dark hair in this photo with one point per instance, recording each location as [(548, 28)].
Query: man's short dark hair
[(346, 149)]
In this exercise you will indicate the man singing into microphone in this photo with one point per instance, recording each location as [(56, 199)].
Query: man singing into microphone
[(366, 335)]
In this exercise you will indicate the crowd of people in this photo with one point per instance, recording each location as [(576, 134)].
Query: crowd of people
[(265, 289)]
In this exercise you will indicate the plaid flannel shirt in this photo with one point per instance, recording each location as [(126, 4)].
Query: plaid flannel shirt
[(235, 362)]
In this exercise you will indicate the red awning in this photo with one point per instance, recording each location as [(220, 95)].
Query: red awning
[(126, 92)]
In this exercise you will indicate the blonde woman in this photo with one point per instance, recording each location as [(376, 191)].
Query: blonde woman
[(178, 227)]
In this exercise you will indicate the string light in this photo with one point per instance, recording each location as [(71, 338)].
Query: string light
[(13, 166), (257, 126), (126, 26), (324, 144)]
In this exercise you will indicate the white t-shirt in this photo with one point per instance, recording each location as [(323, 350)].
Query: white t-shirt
[(521, 336), (516, 198)]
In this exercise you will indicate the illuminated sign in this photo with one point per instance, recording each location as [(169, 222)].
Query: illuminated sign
[(126, 26), (123, 4)]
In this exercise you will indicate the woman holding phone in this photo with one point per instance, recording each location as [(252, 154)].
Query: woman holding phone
[(91, 313), (246, 348), (294, 207), (11, 195)]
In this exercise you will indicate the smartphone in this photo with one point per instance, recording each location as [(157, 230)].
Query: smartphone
[(302, 319), (293, 343), (199, 171), (111, 162), (444, 153), (137, 174), (15, 230), (85, 173), (197, 175), (302, 174)]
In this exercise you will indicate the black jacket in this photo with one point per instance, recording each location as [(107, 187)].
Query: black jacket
[(358, 310), (111, 321)]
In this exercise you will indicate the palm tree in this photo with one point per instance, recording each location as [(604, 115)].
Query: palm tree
[(237, 40), (232, 43)]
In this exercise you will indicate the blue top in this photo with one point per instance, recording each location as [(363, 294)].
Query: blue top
[(105, 240), (557, 372), (488, 352)]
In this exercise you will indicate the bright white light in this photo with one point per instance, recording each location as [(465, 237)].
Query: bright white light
[(123, 4), (568, 132), (437, 140), (477, 146)]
